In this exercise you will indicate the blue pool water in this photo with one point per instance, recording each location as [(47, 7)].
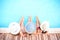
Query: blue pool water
[(46, 10)]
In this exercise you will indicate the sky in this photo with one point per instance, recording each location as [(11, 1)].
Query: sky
[(46, 10)]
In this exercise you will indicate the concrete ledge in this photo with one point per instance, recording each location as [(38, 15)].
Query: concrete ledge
[(54, 30), (51, 30), (4, 30)]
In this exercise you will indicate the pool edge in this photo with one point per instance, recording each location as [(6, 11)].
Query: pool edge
[(51, 30)]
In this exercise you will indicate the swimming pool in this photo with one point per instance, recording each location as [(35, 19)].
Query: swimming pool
[(12, 10)]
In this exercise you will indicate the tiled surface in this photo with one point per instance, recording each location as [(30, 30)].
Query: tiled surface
[(51, 36)]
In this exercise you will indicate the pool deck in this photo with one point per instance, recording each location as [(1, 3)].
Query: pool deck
[(51, 36)]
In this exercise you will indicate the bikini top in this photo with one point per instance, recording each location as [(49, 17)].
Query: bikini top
[(45, 26), (30, 27), (14, 28)]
